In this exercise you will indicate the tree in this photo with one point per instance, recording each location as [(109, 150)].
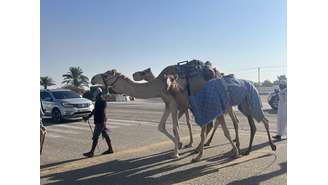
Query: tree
[(280, 78), (46, 81), (75, 80), (267, 83)]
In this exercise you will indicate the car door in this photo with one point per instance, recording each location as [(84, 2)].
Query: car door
[(47, 102)]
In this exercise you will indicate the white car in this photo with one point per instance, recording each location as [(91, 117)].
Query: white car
[(64, 103)]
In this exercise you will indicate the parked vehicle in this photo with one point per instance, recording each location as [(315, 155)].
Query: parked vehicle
[(64, 103), (273, 99)]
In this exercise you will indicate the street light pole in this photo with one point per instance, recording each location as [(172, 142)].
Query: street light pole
[(258, 75)]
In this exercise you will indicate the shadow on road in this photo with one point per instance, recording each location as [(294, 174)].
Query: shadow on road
[(156, 169), (58, 163), (255, 180), (49, 122)]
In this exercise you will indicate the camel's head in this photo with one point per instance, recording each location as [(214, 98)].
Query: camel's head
[(106, 79), (172, 85), (177, 92), (146, 74)]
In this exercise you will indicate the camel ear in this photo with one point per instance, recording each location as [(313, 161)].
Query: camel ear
[(114, 71)]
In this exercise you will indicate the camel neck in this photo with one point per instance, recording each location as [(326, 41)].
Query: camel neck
[(150, 89)]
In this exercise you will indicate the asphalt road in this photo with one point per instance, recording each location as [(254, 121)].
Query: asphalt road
[(142, 152)]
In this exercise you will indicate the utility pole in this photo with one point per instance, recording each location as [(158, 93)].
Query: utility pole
[(258, 75)]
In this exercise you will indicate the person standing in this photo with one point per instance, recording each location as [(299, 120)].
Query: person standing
[(99, 114), (282, 111)]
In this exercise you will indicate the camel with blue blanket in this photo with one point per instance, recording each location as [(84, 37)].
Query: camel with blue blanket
[(214, 98), (211, 72)]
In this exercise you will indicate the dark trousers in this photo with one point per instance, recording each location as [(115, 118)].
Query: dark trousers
[(100, 128)]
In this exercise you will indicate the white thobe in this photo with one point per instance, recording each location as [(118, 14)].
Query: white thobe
[(282, 113)]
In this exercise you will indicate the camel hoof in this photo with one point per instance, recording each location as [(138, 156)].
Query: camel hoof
[(175, 156), (195, 160), (188, 146), (180, 145), (234, 154), (197, 150), (246, 153), (273, 147)]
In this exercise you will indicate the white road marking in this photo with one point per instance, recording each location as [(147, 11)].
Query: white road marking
[(119, 123), (134, 121), (70, 126), (62, 131)]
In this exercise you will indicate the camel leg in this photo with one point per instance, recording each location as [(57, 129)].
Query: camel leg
[(174, 114), (216, 124), (266, 124), (227, 135), (201, 146), (189, 128), (161, 126), (235, 122), (253, 130), (43, 136)]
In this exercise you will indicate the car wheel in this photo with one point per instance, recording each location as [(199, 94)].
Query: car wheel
[(56, 116)]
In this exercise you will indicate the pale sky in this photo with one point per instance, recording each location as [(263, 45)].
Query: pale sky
[(235, 35)]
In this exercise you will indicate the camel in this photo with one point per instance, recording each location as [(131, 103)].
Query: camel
[(148, 76), (176, 89), (178, 93), (152, 89)]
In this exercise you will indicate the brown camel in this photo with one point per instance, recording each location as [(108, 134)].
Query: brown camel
[(155, 88), (148, 76)]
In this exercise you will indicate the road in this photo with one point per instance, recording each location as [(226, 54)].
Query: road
[(142, 152)]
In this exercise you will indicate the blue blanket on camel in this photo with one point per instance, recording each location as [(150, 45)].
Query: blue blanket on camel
[(216, 95)]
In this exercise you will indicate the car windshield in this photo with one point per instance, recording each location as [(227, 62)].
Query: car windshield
[(65, 94)]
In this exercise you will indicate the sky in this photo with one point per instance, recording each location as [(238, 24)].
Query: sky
[(237, 36)]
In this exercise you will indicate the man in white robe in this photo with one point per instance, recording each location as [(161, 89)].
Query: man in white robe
[(282, 112)]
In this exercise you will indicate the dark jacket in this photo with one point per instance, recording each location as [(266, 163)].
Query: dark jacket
[(99, 112)]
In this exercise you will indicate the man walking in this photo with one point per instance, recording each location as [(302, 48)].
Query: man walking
[(99, 114)]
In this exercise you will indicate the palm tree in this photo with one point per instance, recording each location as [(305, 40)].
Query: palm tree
[(74, 79), (46, 81)]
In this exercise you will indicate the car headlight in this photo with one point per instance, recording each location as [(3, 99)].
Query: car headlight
[(67, 105)]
